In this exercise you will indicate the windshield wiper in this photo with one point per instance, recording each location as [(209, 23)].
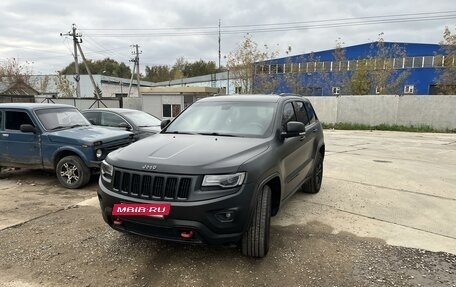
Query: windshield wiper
[(216, 134), (180, 133), (77, 125), (58, 127)]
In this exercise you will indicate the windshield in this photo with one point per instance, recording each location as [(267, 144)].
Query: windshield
[(226, 119), (142, 119), (60, 118)]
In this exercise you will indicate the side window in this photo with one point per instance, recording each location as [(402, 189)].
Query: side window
[(288, 115), (310, 113), (93, 117), (1, 120), (301, 113), (111, 120), (14, 120)]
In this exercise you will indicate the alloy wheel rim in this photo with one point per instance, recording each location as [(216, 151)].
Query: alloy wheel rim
[(70, 173)]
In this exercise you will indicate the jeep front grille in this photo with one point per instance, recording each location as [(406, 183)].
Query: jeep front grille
[(151, 185)]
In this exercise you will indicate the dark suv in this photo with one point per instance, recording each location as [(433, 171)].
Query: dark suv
[(223, 167)]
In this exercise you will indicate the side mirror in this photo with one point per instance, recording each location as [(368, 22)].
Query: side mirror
[(294, 129), (27, 128), (125, 126), (164, 123)]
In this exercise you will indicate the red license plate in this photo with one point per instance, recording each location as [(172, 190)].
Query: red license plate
[(142, 209)]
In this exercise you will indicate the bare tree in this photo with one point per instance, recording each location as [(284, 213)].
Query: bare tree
[(12, 71), (447, 77), (240, 63), (64, 86)]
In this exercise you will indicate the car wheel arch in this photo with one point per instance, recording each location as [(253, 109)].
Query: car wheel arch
[(63, 152), (275, 184)]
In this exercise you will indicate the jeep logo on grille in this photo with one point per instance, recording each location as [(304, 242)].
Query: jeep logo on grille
[(149, 167)]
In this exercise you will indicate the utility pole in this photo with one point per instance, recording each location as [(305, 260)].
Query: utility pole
[(220, 23), (95, 87), (76, 42), (135, 60)]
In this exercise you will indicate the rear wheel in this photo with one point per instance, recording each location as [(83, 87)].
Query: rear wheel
[(72, 172), (255, 242), (313, 185)]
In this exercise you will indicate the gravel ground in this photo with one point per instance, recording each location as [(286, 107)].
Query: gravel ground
[(73, 247)]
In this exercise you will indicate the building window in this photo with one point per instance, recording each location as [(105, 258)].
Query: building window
[(427, 61), (166, 111), (438, 61), (335, 91), (280, 68), (237, 90), (409, 89), (408, 62), (171, 110)]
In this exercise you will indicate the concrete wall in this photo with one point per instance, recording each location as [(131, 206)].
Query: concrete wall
[(132, 103), (435, 111)]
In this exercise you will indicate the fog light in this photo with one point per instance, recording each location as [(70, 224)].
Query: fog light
[(225, 216)]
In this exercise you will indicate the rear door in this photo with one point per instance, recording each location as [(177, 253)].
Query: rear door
[(22, 149)]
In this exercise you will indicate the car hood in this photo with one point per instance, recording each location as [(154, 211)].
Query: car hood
[(151, 129), (188, 154), (144, 132), (87, 135)]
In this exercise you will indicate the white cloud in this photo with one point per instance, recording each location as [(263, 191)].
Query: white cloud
[(30, 29)]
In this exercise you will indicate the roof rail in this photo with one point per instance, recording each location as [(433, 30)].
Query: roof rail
[(289, 95)]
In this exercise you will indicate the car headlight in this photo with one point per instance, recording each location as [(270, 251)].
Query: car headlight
[(99, 153), (106, 170), (224, 180)]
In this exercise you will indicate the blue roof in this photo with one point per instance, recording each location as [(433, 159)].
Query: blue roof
[(363, 51)]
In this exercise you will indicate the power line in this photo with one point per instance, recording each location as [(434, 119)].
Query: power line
[(280, 27), (272, 24)]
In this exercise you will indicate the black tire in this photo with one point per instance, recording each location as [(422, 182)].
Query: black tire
[(313, 184), (72, 172), (255, 241)]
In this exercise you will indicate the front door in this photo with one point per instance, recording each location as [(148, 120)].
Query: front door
[(294, 153), (22, 149)]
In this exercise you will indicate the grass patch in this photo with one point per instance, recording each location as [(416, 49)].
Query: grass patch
[(384, 127)]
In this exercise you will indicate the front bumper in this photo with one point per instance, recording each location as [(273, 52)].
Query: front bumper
[(203, 218)]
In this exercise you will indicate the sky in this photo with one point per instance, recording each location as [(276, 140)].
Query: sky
[(166, 30)]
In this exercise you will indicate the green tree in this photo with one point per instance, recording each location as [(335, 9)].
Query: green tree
[(157, 73), (447, 77), (108, 67), (199, 68)]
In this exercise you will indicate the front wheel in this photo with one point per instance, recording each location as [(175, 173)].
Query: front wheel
[(255, 242), (72, 172)]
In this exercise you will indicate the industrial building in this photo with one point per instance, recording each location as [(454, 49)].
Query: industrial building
[(325, 73)]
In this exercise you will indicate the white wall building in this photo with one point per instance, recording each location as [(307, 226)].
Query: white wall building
[(109, 86), (222, 80)]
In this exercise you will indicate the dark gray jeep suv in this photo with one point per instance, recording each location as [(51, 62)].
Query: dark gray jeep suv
[(222, 168)]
